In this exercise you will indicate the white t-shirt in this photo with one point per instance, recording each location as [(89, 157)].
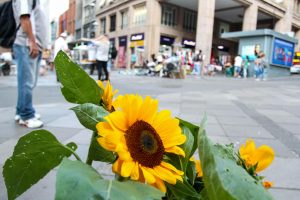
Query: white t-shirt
[(102, 50), (38, 22), (238, 61), (60, 44)]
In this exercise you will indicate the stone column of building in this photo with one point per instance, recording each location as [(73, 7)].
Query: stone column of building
[(152, 32), (284, 24), (250, 17), (298, 37), (130, 26), (205, 27)]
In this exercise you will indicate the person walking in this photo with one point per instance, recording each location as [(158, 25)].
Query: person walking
[(60, 44), (31, 39), (102, 55), (246, 65), (237, 66)]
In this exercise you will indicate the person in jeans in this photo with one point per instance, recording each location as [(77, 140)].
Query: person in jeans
[(30, 40), (102, 53)]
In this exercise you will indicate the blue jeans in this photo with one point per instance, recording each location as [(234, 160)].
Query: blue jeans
[(27, 69)]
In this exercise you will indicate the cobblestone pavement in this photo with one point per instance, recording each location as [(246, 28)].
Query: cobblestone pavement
[(237, 109)]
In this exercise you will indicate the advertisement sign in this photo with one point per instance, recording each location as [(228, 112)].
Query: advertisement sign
[(123, 41), (283, 53), (164, 40), (137, 37), (188, 43), (122, 57)]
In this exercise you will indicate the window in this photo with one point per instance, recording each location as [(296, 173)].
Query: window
[(169, 15), (139, 15), (189, 21), (124, 19), (103, 26), (112, 23)]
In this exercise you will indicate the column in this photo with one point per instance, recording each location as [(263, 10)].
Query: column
[(298, 37), (285, 24), (250, 17), (152, 32), (130, 26), (205, 27)]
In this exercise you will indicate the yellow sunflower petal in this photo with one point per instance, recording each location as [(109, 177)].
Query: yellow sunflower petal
[(117, 120), (264, 156), (174, 141), (127, 168), (161, 117), (124, 155), (175, 150), (149, 108), (101, 85), (267, 184), (165, 174), (106, 145), (171, 167), (247, 149), (116, 168), (159, 184), (103, 128), (135, 172), (148, 176)]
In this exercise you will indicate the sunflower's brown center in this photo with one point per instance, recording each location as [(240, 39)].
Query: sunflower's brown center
[(144, 144)]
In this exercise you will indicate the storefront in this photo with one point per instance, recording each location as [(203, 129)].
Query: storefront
[(166, 45), (122, 53), (188, 45), (137, 42)]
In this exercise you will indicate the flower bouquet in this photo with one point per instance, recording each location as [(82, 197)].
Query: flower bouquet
[(151, 153)]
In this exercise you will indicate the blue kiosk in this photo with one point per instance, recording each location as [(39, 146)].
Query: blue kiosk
[(278, 48)]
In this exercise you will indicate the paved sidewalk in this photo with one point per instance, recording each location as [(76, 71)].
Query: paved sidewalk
[(268, 112)]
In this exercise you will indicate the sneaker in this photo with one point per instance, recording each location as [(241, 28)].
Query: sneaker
[(31, 123), (36, 115), (257, 79)]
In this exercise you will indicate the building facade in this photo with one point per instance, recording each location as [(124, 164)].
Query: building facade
[(163, 26)]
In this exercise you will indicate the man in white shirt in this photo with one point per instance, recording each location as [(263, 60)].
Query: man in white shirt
[(102, 56), (237, 65), (60, 44), (31, 39)]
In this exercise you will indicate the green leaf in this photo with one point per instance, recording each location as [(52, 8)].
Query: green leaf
[(223, 178), (194, 130), (78, 86), (98, 153), (76, 180), (187, 147), (34, 156), (90, 115), (191, 172), (183, 190)]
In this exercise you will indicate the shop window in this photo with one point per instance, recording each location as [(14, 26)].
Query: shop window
[(103, 26), (139, 16), (112, 23), (169, 15), (189, 21), (124, 19)]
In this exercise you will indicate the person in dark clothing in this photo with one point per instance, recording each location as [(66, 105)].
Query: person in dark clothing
[(102, 56)]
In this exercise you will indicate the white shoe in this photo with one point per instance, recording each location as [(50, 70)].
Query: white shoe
[(31, 123), (36, 115), (257, 79)]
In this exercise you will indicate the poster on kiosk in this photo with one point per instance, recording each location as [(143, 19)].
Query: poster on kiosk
[(283, 53)]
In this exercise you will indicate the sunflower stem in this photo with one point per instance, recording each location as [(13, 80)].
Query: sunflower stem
[(89, 159)]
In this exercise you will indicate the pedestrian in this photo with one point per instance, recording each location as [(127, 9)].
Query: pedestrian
[(60, 44), (102, 55), (260, 67), (237, 66), (132, 59), (246, 65), (197, 63), (31, 39)]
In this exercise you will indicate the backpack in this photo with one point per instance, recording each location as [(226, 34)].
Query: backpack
[(114, 53), (8, 28)]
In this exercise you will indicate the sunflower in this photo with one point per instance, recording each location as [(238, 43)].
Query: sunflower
[(267, 184), (140, 136), (260, 157), (108, 95), (198, 166)]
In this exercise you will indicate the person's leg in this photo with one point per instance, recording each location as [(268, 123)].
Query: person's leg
[(104, 65), (99, 67), (26, 82)]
